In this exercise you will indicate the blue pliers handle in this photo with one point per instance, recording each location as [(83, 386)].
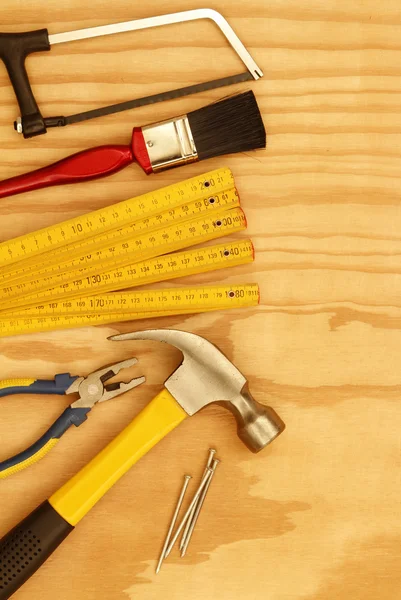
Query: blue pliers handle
[(91, 389)]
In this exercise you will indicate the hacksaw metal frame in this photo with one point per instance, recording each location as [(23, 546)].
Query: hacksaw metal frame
[(169, 19), (31, 123)]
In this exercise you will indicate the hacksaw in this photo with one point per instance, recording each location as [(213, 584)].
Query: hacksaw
[(15, 47)]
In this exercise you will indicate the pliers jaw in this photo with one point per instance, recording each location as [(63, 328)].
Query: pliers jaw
[(92, 389)]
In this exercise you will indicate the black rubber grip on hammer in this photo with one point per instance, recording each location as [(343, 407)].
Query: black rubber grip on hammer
[(14, 48), (26, 547)]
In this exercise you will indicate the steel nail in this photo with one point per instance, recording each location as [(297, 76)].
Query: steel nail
[(187, 514), (173, 521), (212, 452), (199, 508)]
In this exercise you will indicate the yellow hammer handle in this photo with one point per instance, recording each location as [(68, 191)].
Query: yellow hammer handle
[(80, 494)]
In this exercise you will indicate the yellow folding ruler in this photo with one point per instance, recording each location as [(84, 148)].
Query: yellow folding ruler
[(62, 275), (127, 306), (87, 248), (96, 223), (161, 268), (141, 247)]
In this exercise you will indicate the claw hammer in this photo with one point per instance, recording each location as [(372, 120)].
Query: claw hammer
[(204, 376)]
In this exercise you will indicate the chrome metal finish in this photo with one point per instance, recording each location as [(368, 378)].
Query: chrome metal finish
[(170, 143), (187, 514), (210, 459), (198, 508), (18, 125), (173, 521), (257, 425), (187, 527), (206, 376), (92, 389), (209, 463), (169, 19)]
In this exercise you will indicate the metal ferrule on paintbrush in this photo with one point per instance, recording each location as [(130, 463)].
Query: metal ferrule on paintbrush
[(169, 143)]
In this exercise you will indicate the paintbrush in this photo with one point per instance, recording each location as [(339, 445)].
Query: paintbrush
[(233, 124)]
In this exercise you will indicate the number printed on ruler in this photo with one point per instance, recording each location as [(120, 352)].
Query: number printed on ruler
[(184, 212), (161, 268), (31, 324), (196, 297), (113, 217), (142, 247), (9, 327)]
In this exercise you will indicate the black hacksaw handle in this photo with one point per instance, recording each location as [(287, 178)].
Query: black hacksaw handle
[(14, 48)]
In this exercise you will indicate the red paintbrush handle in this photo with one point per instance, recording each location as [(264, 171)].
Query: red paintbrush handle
[(89, 164)]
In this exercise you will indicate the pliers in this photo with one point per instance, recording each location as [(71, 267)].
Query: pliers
[(91, 389)]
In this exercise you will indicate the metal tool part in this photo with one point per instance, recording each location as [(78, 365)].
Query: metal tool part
[(91, 389), (209, 463), (206, 376), (169, 19), (212, 453), (170, 143), (187, 90), (173, 521), (198, 492), (198, 508)]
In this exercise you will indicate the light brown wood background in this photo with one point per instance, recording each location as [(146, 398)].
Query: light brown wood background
[(316, 516)]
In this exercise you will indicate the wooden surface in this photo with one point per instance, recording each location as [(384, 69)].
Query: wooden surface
[(316, 515)]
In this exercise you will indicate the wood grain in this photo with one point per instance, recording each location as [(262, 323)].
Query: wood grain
[(315, 516)]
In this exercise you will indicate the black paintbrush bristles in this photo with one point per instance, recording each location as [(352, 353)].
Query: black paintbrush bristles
[(233, 124)]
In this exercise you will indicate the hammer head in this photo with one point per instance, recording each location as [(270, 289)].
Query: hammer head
[(206, 376)]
